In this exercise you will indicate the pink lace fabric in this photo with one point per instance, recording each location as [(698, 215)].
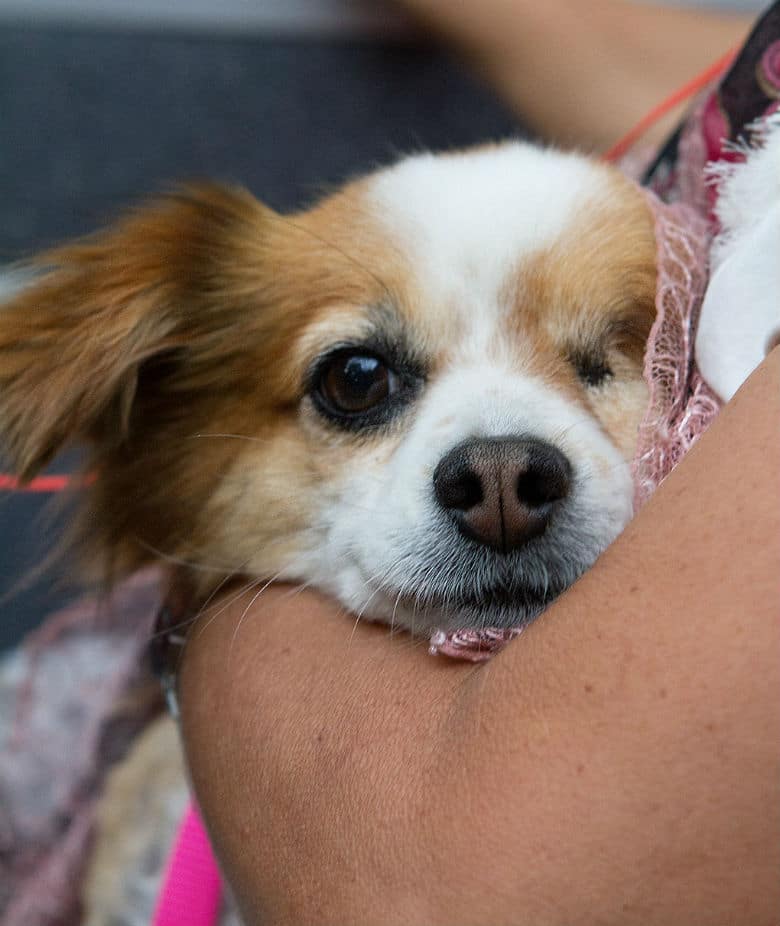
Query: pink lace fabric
[(471, 645), (681, 405)]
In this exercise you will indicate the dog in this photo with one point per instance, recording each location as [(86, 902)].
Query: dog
[(421, 395)]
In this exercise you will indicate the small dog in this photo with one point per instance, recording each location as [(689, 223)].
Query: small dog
[(422, 395)]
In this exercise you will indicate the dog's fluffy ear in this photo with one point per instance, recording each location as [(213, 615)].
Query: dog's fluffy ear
[(105, 308)]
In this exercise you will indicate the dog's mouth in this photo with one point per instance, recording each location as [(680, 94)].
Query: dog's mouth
[(499, 596), (497, 605), (472, 589)]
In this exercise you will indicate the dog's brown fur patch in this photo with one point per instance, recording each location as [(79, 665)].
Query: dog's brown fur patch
[(592, 294)]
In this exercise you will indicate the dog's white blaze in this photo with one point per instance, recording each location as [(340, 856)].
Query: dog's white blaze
[(464, 221)]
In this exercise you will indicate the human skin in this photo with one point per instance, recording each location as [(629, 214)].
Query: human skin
[(583, 72), (617, 763)]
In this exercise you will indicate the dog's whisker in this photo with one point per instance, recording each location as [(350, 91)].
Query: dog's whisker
[(244, 590), (558, 436), (297, 589), (219, 587), (192, 620), (395, 611), (363, 610), (246, 611), (241, 620), (378, 578), (203, 609)]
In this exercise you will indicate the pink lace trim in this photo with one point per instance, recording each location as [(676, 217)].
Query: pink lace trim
[(681, 405), (472, 645)]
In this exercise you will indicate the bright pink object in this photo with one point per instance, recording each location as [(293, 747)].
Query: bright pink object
[(192, 885)]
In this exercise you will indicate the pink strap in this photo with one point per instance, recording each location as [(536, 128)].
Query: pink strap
[(191, 887)]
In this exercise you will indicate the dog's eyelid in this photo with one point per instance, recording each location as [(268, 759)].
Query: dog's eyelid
[(590, 362), (628, 329), (396, 357)]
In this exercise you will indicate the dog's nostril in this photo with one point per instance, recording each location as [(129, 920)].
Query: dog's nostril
[(545, 478), (456, 485)]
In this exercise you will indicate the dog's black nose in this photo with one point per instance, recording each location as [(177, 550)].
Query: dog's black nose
[(500, 491)]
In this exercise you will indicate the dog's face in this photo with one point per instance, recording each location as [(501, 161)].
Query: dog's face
[(421, 396)]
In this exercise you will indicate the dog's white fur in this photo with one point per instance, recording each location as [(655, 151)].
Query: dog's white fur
[(465, 222)]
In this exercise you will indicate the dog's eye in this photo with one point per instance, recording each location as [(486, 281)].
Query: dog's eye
[(352, 383), (592, 370)]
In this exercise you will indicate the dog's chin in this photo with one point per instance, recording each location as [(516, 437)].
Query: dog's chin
[(492, 607), (469, 587)]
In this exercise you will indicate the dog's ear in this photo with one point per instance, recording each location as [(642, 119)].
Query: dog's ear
[(147, 293)]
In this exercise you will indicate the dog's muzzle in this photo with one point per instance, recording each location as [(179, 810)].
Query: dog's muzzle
[(501, 491)]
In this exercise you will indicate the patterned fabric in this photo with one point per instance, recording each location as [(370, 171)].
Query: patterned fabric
[(712, 132), (681, 405), (71, 702)]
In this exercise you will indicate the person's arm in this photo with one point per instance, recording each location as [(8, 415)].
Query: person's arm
[(618, 763), (583, 72)]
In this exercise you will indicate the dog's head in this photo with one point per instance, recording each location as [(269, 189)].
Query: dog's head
[(421, 395)]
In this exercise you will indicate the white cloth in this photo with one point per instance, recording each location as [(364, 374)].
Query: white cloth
[(740, 317)]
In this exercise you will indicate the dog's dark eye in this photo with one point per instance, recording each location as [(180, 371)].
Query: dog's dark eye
[(592, 370), (353, 383)]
